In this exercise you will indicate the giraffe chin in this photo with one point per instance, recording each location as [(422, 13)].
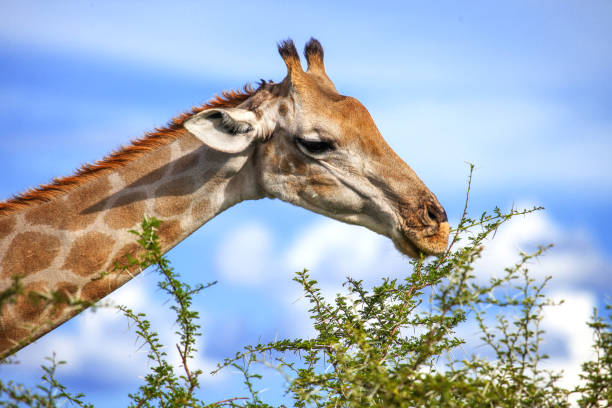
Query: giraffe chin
[(431, 245), (406, 247)]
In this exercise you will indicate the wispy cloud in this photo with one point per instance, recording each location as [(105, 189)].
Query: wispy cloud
[(575, 261), (567, 324), (245, 255), (188, 37), (513, 142)]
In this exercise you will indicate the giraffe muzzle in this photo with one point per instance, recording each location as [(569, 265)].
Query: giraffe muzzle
[(422, 230)]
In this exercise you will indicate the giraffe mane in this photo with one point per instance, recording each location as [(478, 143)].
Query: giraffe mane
[(125, 154)]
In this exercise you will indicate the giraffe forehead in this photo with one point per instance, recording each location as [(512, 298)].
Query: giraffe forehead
[(349, 123), (314, 106)]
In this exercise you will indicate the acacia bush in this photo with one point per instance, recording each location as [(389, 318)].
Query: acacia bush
[(391, 345)]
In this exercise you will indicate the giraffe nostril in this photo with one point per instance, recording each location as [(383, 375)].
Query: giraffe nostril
[(431, 214), (435, 213)]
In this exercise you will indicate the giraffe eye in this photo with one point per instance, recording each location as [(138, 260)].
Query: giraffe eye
[(314, 146)]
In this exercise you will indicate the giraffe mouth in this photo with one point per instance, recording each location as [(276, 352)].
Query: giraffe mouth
[(414, 244)]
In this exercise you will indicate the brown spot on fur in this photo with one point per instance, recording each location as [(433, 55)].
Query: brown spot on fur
[(287, 162), (69, 213), (127, 251), (89, 254), (6, 226), (31, 315), (83, 198), (11, 334), (29, 252), (29, 306), (66, 291), (127, 211), (173, 198), (32, 305), (97, 289), (282, 109), (169, 232), (47, 214)]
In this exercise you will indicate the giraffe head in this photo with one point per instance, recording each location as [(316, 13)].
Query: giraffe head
[(322, 151)]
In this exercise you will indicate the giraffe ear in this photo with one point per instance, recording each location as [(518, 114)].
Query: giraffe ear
[(229, 130)]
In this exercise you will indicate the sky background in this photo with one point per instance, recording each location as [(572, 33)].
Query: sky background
[(522, 89)]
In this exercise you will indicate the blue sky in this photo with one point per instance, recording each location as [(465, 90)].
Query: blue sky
[(521, 89)]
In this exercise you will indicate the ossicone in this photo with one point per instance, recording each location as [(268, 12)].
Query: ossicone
[(313, 51), (288, 52)]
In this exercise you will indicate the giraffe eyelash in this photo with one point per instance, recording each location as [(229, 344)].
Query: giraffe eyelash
[(315, 146)]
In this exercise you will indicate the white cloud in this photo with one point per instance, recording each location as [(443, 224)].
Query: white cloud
[(189, 37), (573, 259), (174, 38), (524, 142), (341, 249), (332, 251), (568, 322), (245, 255)]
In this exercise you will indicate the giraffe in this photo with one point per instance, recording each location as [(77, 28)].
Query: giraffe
[(297, 140)]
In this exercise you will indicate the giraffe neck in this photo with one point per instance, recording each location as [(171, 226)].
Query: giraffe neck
[(67, 244)]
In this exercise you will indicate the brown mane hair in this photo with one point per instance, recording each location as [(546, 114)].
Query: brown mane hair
[(125, 154)]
